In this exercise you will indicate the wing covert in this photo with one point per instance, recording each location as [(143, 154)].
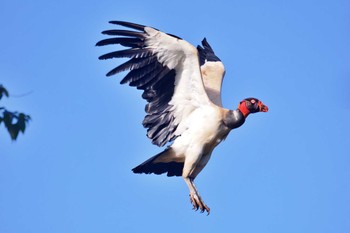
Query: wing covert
[(213, 72)]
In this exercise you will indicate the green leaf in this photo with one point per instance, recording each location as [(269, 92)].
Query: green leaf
[(15, 123), (3, 91)]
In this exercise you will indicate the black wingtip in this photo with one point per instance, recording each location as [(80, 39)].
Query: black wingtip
[(200, 48), (131, 42), (204, 41), (128, 24), (206, 45), (209, 52), (100, 43)]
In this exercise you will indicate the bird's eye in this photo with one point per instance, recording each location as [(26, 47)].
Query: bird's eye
[(253, 101)]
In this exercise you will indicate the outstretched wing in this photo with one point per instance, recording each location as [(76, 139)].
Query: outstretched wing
[(167, 69), (213, 72)]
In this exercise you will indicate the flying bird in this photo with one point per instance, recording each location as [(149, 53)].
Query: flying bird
[(182, 86)]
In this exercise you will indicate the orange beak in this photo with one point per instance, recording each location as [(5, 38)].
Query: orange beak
[(262, 107)]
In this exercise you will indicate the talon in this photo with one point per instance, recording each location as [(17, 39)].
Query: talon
[(193, 202), (207, 209), (197, 203)]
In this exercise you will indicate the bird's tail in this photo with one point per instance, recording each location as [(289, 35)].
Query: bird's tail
[(161, 163)]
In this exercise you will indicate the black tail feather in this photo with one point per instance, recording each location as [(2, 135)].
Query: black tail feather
[(150, 166)]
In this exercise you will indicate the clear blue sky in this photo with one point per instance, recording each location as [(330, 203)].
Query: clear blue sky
[(284, 171)]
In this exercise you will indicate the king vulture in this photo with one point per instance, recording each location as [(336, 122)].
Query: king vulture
[(182, 87)]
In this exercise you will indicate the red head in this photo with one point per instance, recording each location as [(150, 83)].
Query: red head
[(251, 105)]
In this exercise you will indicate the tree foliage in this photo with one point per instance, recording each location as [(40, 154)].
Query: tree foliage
[(14, 122)]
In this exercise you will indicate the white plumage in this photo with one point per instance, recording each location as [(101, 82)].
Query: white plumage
[(182, 85)]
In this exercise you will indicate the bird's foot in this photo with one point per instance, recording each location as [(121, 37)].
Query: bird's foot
[(198, 203)]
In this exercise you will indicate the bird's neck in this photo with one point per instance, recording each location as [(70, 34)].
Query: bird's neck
[(234, 118), (243, 109)]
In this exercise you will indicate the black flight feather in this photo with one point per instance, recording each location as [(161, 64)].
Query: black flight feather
[(124, 33), (134, 63), (124, 41), (128, 24), (148, 74), (126, 53), (139, 77), (206, 53)]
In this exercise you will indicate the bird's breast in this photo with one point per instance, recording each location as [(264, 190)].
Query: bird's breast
[(205, 130)]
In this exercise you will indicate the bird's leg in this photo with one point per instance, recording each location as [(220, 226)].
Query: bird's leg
[(195, 198)]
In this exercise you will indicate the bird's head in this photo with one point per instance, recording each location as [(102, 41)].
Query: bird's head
[(251, 105)]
